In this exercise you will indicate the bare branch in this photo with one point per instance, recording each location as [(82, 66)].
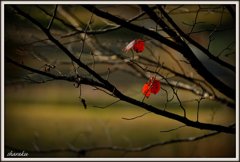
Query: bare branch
[(132, 27), (55, 77), (67, 14), (184, 49), (111, 88), (231, 11), (205, 51), (198, 65)]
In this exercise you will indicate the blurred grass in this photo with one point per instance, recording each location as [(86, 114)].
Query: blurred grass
[(66, 121), (57, 126)]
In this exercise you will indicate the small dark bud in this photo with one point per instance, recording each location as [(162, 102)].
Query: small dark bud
[(47, 69), (84, 103)]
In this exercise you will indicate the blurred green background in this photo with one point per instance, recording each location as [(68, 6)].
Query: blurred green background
[(51, 115)]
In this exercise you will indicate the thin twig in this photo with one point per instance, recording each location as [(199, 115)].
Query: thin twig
[(202, 97), (227, 48), (53, 16), (219, 24), (103, 107), (108, 73), (175, 8), (173, 129), (167, 100), (195, 21), (136, 116), (84, 37)]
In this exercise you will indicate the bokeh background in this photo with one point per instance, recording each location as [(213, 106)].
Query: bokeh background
[(51, 115)]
